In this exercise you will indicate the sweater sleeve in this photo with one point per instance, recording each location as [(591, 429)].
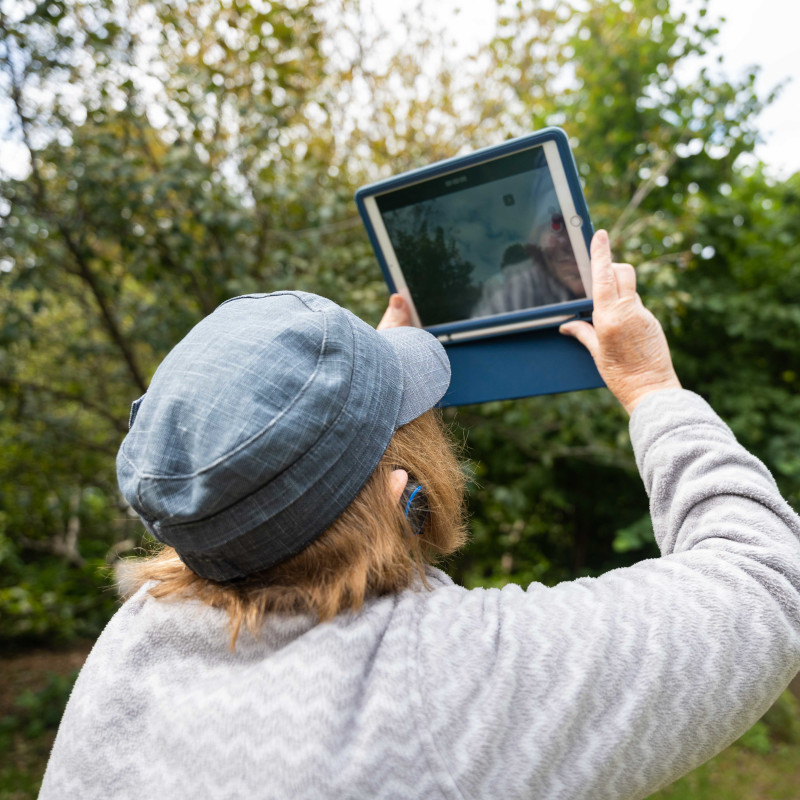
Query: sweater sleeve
[(613, 687)]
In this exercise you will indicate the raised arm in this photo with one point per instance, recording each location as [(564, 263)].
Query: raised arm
[(626, 341), (611, 687)]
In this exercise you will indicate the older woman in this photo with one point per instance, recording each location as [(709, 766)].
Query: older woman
[(292, 639), (541, 272)]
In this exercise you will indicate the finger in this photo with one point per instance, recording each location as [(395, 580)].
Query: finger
[(626, 279), (604, 281), (584, 333), (396, 315)]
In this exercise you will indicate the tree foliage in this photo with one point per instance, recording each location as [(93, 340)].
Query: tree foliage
[(184, 152)]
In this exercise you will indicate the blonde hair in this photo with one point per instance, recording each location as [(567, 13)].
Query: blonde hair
[(368, 551)]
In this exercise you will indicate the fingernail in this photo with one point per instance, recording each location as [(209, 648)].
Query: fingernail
[(396, 301), (565, 330)]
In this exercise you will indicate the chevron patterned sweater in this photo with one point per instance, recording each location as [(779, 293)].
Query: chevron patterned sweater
[(598, 688)]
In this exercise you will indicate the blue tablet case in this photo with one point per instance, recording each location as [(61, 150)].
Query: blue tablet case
[(541, 361), (512, 365)]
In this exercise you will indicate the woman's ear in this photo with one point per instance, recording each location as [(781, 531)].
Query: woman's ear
[(397, 483)]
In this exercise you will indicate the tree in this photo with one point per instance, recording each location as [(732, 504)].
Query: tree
[(435, 269), (138, 217), (655, 154), (182, 153), (737, 336)]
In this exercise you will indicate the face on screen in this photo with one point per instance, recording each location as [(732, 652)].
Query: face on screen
[(484, 241)]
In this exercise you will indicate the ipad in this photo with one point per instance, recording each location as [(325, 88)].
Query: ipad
[(488, 244)]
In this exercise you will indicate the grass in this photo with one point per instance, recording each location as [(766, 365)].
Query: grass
[(34, 687), (22, 764), (741, 774)]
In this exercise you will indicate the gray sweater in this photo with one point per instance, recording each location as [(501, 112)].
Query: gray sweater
[(605, 687)]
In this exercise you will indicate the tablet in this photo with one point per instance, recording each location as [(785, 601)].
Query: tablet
[(487, 244)]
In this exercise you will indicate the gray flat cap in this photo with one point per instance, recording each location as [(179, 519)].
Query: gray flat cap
[(263, 424)]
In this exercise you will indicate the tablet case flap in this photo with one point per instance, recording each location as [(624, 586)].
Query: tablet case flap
[(542, 361)]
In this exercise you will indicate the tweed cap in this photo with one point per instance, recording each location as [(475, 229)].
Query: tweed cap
[(263, 424)]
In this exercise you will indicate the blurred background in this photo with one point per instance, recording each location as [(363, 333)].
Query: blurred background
[(159, 157)]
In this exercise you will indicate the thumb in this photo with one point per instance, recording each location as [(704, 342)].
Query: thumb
[(397, 314), (584, 333)]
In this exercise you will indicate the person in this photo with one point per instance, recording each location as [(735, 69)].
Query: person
[(542, 271), (293, 640)]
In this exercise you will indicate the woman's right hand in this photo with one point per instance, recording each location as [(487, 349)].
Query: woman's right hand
[(625, 340)]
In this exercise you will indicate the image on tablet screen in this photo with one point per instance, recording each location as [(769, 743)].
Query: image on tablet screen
[(483, 241)]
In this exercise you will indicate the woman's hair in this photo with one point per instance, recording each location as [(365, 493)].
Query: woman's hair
[(370, 550)]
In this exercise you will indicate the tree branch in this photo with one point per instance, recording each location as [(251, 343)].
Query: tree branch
[(84, 270), (206, 303), (56, 546), (645, 187), (58, 394)]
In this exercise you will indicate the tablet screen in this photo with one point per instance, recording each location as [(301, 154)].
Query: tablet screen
[(483, 240)]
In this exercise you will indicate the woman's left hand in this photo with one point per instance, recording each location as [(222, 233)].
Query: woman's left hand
[(397, 314)]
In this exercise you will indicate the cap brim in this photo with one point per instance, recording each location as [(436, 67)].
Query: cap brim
[(426, 370)]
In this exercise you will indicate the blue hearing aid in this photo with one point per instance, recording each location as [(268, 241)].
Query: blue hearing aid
[(415, 506)]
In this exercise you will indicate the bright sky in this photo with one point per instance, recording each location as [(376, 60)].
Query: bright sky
[(762, 32)]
